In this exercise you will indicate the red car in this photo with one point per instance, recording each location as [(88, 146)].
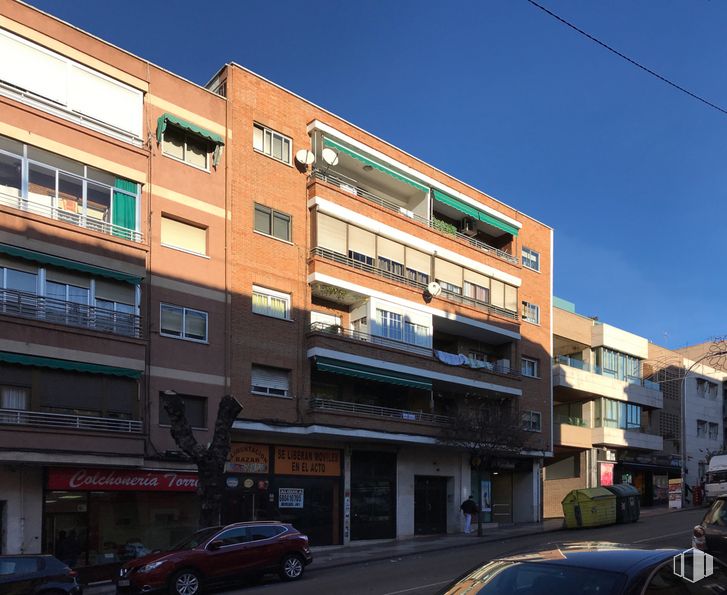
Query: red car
[(219, 555)]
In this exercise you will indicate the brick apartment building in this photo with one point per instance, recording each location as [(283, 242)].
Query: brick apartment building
[(156, 235)]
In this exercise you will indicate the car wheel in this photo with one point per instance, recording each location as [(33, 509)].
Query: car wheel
[(185, 582), (291, 568)]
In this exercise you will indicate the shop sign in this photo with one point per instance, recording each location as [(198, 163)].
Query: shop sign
[(248, 458), (292, 460), (290, 497), (116, 480), (675, 493), (606, 474)]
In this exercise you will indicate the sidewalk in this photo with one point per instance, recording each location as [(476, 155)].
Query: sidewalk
[(371, 551)]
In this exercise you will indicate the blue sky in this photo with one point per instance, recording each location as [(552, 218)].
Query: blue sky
[(630, 173)]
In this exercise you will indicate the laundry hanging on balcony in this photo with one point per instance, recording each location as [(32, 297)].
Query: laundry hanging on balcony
[(452, 359)]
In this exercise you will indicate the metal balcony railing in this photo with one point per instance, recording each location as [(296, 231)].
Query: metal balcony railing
[(77, 219), (449, 295), (377, 411), (29, 305), (586, 367), (349, 185), (62, 420)]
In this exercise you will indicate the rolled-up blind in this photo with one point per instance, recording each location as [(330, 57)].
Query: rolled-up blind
[(419, 261), (511, 298), (263, 376), (497, 293), (361, 241), (476, 278), (448, 272), (391, 250), (331, 233), (116, 292)]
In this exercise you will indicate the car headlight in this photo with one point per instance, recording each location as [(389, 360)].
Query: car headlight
[(152, 566)]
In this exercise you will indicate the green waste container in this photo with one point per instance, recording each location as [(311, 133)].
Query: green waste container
[(628, 502), (589, 507)]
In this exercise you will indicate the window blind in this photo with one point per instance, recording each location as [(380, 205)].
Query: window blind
[(448, 272), (391, 250), (270, 377), (331, 233), (184, 236), (419, 261), (361, 241)]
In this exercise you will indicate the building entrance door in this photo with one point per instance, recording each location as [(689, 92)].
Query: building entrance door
[(430, 505), (502, 497)]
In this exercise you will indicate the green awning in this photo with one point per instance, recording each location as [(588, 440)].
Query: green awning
[(64, 364), (351, 153), (72, 265), (212, 137), (474, 212), (325, 364)]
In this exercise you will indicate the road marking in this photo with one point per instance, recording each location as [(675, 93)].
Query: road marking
[(419, 587), (661, 537)]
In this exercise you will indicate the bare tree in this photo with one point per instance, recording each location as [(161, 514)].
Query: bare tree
[(489, 429), (210, 460)]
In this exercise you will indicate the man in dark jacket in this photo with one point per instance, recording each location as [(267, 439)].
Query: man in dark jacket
[(469, 509)]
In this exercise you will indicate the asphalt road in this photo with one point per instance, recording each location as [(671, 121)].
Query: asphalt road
[(427, 573)]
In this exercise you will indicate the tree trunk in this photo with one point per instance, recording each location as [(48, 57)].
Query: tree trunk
[(210, 461)]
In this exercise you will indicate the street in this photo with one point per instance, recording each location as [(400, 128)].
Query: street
[(427, 573)]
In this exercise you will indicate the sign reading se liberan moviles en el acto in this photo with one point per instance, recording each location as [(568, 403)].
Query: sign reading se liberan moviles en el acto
[(101, 480)]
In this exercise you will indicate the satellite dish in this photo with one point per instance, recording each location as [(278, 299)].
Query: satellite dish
[(434, 288), (329, 156), (305, 157)]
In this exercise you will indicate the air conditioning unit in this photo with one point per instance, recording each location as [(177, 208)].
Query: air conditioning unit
[(468, 227)]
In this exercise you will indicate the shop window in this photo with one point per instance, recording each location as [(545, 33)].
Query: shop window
[(195, 409)]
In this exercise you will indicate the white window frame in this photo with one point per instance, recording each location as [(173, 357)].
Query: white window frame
[(528, 309), (529, 421), (187, 135), (264, 130), (531, 259), (271, 293), (274, 387), (184, 311), (535, 367)]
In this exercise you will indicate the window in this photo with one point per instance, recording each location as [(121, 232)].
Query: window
[(362, 258), (419, 277), (195, 409), (270, 303), (186, 147), (323, 320), (633, 417), (531, 259), (390, 325), (416, 334), (14, 397), (531, 421), (707, 389), (701, 428), (184, 236), (450, 287), (272, 223), (271, 143), (263, 532), (391, 266), (233, 536), (274, 382), (183, 323), (531, 313), (713, 431), (477, 292), (529, 367)]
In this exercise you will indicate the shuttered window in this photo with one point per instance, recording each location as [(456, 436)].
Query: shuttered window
[(184, 236), (511, 298), (448, 272), (270, 381), (497, 293), (331, 233), (390, 250), (361, 241)]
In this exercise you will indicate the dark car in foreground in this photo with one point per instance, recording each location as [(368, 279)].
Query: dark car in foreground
[(591, 568), (36, 575), (711, 534), (219, 555)]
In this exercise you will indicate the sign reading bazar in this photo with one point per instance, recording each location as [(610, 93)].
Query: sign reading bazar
[(293, 460), (248, 458), (115, 480)]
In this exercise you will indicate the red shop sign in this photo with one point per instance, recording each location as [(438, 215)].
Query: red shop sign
[(115, 480)]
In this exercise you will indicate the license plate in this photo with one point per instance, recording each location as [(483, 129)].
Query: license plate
[(123, 582)]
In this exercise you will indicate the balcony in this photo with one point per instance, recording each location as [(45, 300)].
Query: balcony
[(29, 305), (618, 437), (580, 377), (349, 185), (457, 298), (572, 432), (75, 422), (388, 413)]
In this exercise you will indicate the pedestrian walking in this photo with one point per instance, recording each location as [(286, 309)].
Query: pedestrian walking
[(469, 509)]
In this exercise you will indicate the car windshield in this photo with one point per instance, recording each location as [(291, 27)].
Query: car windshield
[(536, 579), (195, 539)]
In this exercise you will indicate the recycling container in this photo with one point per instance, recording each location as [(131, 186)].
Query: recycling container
[(589, 507), (628, 502)]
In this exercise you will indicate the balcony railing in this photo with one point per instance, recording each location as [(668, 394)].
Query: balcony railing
[(449, 295), (349, 185), (586, 367), (29, 305), (322, 327), (77, 219), (376, 411), (62, 420)]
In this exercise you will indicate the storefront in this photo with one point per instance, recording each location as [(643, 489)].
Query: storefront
[(104, 517), (297, 485), (650, 475)]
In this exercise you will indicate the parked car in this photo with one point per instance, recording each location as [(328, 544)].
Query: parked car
[(588, 568), (36, 575), (217, 555), (711, 534)]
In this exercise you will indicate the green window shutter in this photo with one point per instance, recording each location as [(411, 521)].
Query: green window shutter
[(124, 209)]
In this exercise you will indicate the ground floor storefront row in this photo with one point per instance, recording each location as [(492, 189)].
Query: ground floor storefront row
[(335, 492)]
